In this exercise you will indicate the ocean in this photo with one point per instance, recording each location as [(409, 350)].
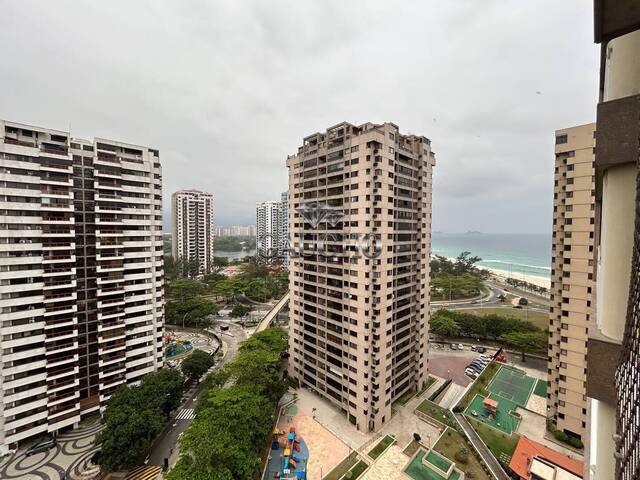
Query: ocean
[(518, 254)]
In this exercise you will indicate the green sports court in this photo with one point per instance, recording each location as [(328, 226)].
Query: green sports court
[(512, 385), (502, 420)]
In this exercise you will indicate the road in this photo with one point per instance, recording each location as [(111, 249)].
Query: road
[(183, 416), (489, 299)]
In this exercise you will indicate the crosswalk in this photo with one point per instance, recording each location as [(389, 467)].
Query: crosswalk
[(186, 414)]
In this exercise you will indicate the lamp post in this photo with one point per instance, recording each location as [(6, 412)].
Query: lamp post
[(183, 319)]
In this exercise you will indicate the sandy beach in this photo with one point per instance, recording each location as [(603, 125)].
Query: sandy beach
[(540, 281)]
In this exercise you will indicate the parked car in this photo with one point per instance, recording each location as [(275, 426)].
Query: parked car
[(481, 349), (43, 446), (484, 357), (476, 365), (473, 348), (471, 373), (171, 363), (460, 346), (454, 346)]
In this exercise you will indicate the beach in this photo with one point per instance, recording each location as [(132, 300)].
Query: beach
[(536, 280)]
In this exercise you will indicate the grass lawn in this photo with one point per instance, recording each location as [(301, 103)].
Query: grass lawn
[(498, 442), (480, 385), (343, 467), (438, 413), (381, 446), (411, 448), (430, 381), (405, 397), (358, 469), (539, 319), (450, 443)]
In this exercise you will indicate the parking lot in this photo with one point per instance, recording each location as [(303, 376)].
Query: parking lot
[(447, 363)]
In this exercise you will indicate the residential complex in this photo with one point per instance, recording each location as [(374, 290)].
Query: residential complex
[(235, 231), (572, 259), (360, 222), (284, 200), (81, 270), (613, 367), (269, 220), (192, 238)]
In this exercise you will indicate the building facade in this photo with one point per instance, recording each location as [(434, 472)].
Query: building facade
[(360, 227), (192, 238), (613, 367), (572, 283), (235, 231), (81, 275), (269, 241), (284, 235)]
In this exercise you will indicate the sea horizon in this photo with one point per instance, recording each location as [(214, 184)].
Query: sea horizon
[(526, 254)]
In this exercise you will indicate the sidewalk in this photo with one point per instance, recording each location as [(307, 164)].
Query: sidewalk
[(488, 458)]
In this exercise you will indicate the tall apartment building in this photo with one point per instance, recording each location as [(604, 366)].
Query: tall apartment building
[(360, 199), (613, 367), (192, 239), (235, 231), (269, 240), (284, 200), (571, 277), (81, 275)]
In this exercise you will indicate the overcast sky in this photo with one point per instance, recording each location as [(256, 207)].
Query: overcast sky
[(226, 89)]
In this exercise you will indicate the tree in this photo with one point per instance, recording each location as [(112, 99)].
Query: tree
[(240, 311), (225, 438), (193, 312), (196, 364), (134, 417), (444, 325), (523, 301), (184, 289), (526, 341), (164, 388)]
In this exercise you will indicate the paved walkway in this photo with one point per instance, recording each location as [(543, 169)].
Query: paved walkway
[(65, 461), (452, 395), (484, 452)]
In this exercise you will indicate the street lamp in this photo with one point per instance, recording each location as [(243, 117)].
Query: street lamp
[(183, 318)]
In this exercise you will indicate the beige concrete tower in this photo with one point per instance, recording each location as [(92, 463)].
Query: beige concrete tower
[(571, 277), (360, 227)]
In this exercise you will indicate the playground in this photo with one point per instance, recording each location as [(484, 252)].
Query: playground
[(310, 453), (497, 412), (508, 390)]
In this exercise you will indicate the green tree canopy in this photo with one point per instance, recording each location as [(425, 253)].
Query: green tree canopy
[(532, 342), (194, 312), (445, 326), (183, 289), (196, 364), (134, 417), (240, 311)]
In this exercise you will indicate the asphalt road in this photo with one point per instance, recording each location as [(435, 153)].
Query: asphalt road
[(166, 443)]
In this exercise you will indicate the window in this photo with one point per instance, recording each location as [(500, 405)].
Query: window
[(561, 139)]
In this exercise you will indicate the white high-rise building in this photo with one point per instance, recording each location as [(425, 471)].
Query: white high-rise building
[(81, 275), (269, 230), (284, 199), (192, 239)]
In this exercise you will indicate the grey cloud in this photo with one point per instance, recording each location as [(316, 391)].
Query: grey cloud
[(227, 89)]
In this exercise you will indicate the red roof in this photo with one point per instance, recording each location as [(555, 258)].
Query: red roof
[(528, 449)]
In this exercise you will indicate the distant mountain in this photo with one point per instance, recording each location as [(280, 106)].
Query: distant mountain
[(473, 232)]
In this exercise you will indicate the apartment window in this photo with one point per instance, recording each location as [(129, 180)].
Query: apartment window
[(560, 139)]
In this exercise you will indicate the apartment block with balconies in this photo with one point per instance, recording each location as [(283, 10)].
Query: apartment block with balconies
[(360, 227), (54, 309), (193, 230), (572, 280)]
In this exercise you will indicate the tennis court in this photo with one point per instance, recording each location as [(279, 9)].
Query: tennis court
[(502, 420), (512, 385)]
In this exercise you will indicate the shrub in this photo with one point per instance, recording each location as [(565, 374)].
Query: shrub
[(462, 455), (457, 409)]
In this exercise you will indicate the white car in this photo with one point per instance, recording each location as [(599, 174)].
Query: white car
[(472, 373), (460, 346)]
